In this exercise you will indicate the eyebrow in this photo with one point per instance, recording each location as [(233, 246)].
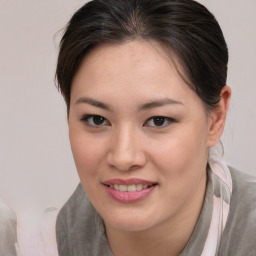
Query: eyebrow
[(159, 103), (93, 102), (149, 105)]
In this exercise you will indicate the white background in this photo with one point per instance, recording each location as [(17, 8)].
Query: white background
[(36, 165)]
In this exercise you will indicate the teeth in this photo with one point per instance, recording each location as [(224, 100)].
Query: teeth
[(139, 187), (123, 188), (129, 188)]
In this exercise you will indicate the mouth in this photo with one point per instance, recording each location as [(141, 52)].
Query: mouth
[(129, 191), (130, 188)]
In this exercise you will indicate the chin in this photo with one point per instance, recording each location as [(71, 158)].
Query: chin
[(130, 226), (129, 221)]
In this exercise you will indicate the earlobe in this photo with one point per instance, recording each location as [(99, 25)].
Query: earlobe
[(218, 117)]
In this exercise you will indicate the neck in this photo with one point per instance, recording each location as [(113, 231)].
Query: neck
[(168, 238)]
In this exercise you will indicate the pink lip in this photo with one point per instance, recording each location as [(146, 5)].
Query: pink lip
[(128, 197), (128, 182)]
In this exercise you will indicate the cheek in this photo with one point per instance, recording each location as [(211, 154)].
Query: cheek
[(181, 162), (87, 153), (181, 153)]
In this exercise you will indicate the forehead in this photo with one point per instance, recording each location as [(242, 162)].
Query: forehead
[(135, 52), (134, 68)]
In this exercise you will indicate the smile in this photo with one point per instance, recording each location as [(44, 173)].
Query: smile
[(129, 188), (129, 191)]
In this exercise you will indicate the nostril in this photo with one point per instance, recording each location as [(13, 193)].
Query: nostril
[(126, 160)]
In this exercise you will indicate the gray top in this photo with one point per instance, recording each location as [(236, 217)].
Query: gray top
[(80, 230), (8, 227)]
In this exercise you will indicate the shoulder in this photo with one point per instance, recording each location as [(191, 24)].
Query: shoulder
[(72, 214), (240, 231), (76, 204), (8, 230), (244, 193), (242, 177), (79, 229)]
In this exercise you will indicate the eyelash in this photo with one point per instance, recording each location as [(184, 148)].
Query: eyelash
[(166, 121), (86, 119)]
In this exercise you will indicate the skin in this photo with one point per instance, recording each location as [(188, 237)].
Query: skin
[(128, 144)]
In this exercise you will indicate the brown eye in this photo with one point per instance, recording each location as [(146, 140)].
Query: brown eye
[(95, 120), (159, 121), (98, 120)]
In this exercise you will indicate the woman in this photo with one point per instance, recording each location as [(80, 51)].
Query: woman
[(145, 86)]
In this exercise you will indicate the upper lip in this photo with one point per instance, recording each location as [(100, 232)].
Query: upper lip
[(133, 181)]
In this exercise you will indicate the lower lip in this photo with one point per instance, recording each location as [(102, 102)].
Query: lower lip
[(129, 197)]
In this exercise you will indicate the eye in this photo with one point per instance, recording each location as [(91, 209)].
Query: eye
[(95, 120), (159, 121)]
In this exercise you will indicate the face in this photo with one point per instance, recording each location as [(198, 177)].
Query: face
[(139, 136)]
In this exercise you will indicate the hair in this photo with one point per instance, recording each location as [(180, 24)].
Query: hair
[(185, 27)]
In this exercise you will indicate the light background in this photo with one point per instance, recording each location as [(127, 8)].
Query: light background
[(36, 165)]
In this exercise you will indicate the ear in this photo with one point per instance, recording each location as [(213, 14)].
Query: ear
[(217, 117)]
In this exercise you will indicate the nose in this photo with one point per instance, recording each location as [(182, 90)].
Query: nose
[(126, 152)]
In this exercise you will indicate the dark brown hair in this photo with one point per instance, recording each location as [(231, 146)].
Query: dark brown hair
[(186, 27)]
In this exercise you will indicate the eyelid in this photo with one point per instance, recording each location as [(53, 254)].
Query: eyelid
[(85, 119), (169, 120)]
